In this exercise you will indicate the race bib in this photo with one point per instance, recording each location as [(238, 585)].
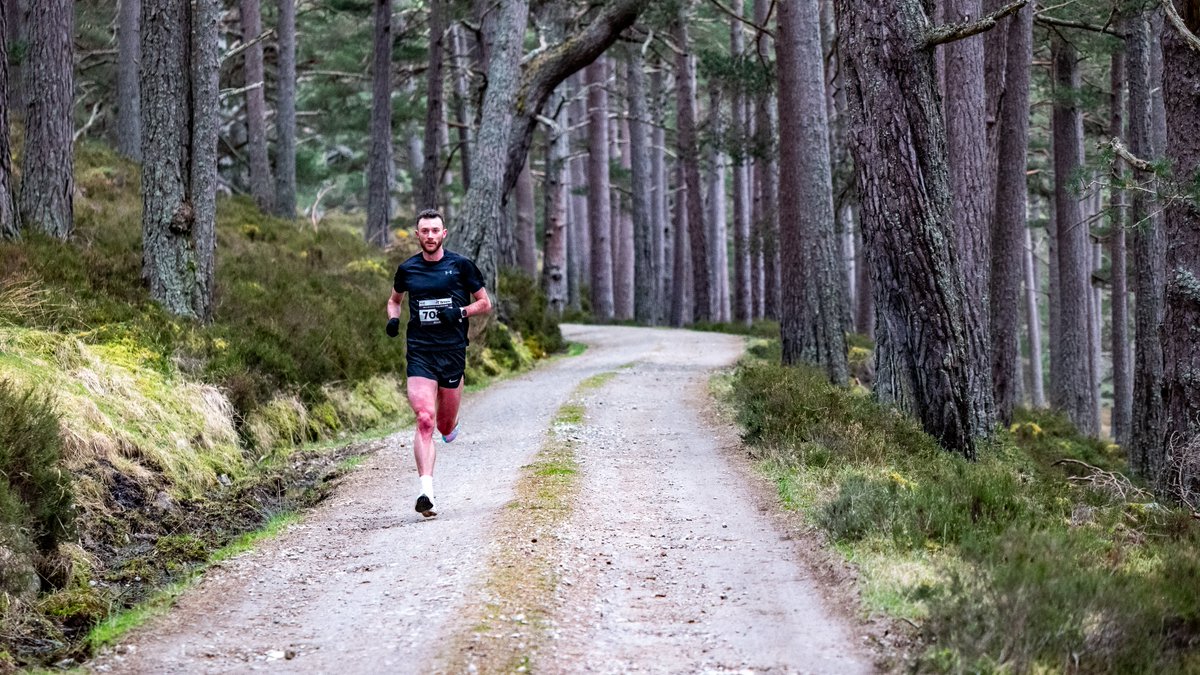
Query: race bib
[(427, 310)]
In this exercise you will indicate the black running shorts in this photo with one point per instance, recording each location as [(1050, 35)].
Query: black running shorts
[(444, 366)]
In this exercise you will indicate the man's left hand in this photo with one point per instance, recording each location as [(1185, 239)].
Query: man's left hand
[(450, 315)]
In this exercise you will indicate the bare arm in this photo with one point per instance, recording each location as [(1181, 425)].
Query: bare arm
[(482, 304), (395, 304)]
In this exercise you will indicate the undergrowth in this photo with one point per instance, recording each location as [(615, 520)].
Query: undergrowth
[(1019, 562)]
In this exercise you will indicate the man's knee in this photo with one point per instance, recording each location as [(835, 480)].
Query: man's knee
[(425, 421)]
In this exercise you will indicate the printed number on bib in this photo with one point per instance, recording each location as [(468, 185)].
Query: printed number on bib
[(427, 310)]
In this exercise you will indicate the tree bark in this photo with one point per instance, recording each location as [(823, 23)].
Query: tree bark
[(1034, 321), (663, 256), (742, 300), (179, 148), (129, 57), (461, 98), (899, 148), (9, 223), (554, 264), (810, 324), (766, 181), (1009, 226), (1075, 381), (681, 307), (379, 155), (580, 247), (17, 32), (689, 159), (623, 245), (717, 214), (1122, 410), (1181, 317), (285, 114), (646, 304), (430, 197), (598, 196), (262, 186), (1146, 434), (484, 201), (47, 180), (526, 224), (971, 190)]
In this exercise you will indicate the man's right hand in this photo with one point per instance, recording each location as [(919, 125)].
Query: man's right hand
[(393, 327)]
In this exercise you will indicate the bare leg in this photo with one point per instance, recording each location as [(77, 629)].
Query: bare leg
[(422, 396), (448, 401)]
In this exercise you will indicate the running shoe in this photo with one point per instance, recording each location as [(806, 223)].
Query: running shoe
[(449, 438), (425, 506)]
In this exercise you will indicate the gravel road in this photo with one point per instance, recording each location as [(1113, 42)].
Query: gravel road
[(672, 564)]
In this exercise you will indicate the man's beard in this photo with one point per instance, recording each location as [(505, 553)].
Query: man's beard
[(425, 246)]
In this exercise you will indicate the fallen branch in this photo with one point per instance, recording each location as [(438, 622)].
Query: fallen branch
[(957, 31), (1046, 20), (312, 212), (1123, 152), (87, 125), (1111, 482), (247, 45)]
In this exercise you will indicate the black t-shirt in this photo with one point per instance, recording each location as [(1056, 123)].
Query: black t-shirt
[(431, 286)]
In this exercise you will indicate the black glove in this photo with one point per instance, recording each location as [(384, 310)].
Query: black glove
[(450, 315), (393, 327)]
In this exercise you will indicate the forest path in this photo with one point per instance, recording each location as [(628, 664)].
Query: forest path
[(672, 564)]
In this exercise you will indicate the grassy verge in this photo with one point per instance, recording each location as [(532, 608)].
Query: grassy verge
[(117, 625), (510, 623), (1040, 557)]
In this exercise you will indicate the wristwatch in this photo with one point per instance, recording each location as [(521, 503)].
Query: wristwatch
[(464, 311)]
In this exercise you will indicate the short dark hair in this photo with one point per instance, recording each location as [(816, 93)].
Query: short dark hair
[(431, 213)]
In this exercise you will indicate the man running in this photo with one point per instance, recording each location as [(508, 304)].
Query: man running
[(444, 288)]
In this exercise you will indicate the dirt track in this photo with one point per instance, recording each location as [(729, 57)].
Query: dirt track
[(673, 566)]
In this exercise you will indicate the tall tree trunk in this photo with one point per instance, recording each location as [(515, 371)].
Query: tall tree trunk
[(1181, 317), (379, 155), (47, 181), (485, 200), (810, 324), (898, 142), (262, 186), (129, 58), (579, 248), (1075, 381), (971, 186), (718, 278), (554, 264), (598, 197), (766, 180), (1122, 383), (179, 146), (16, 11), (9, 224), (1009, 226), (1034, 321), (434, 113), (461, 98), (1095, 318), (689, 159), (526, 223), (285, 114), (663, 257), (645, 273), (1146, 434), (743, 311), (681, 307), (623, 263)]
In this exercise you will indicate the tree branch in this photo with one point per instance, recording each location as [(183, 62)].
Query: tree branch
[(1046, 20), (762, 29), (541, 75), (247, 45), (957, 31), (1123, 152), (1173, 16)]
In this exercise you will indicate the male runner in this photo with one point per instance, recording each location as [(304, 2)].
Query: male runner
[(444, 288)]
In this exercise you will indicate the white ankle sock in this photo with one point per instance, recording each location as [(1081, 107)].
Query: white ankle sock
[(427, 486)]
